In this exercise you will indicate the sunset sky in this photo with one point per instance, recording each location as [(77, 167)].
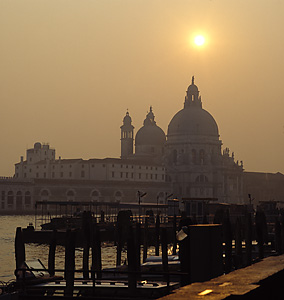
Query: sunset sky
[(70, 69)]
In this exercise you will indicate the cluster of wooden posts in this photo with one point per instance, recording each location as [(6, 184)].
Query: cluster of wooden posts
[(132, 236), (251, 238), (243, 232)]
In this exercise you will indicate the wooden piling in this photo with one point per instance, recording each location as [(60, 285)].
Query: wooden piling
[(132, 261), (174, 235), (238, 243), (259, 226), (138, 246), (69, 262), (184, 256), (86, 231), (165, 253), (277, 237), (282, 234), (51, 253), (145, 244), (96, 251), (248, 239), (227, 232), (157, 236), (20, 253)]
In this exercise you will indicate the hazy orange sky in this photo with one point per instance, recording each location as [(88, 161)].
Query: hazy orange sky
[(70, 69)]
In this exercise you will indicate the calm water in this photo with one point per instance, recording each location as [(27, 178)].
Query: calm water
[(8, 225)]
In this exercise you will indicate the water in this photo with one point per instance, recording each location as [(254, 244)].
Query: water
[(8, 225)]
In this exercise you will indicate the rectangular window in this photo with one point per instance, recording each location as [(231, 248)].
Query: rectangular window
[(61, 174), (112, 174), (126, 175), (121, 174), (156, 176), (151, 176), (3, 195), (132, 175), (70, 174), (139, 175), (44, 175)]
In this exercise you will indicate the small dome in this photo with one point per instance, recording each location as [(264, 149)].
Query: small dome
[(127, 119), (37, 145), (150, 135), (193, 120)]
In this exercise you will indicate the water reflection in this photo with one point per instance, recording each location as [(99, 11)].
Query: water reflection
[(8, 225)]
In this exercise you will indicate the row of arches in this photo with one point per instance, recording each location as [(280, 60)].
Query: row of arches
[(95, 195), (19, 199), (197, 156)]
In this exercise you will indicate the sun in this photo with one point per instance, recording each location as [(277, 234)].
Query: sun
[(199, 40)]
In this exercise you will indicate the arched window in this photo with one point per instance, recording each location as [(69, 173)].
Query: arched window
[(193, 155), (201, 156), (201, 179), (95, 196), (44, 195), (117, 195), (28, 201), (161, 198), (19, 200), (70, 195), (174, 156), (10, 199)]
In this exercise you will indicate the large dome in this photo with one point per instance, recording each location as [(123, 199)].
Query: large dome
[(193, 120)]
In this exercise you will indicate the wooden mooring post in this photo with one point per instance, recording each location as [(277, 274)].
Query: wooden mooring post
[(51, 253), (20, 253), (146, 236), (157, 236), (86, 231), (132, 261), (248, 239), (238, 243), (69, 262), (227, 237)]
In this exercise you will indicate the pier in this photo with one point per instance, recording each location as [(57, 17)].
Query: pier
[(208, 258)]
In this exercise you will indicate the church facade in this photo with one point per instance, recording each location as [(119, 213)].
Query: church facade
[(187, 163)]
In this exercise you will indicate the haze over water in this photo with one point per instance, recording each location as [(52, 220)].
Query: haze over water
[(70, 69), (8, 225)]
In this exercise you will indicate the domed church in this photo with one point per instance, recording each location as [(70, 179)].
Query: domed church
[(195, 164), (191, 153), (150, 139)]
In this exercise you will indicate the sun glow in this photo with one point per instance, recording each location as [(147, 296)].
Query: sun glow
[(199, 40)]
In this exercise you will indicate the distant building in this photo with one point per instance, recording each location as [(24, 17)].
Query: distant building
[(188, 163), (195, 164)]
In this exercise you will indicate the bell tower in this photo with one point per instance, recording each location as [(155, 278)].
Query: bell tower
[(126, 136)]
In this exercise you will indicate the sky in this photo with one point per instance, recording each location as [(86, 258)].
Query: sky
[(70, 69)]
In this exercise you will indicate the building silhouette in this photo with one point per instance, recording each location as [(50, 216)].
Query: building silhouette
[(187, 163)]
